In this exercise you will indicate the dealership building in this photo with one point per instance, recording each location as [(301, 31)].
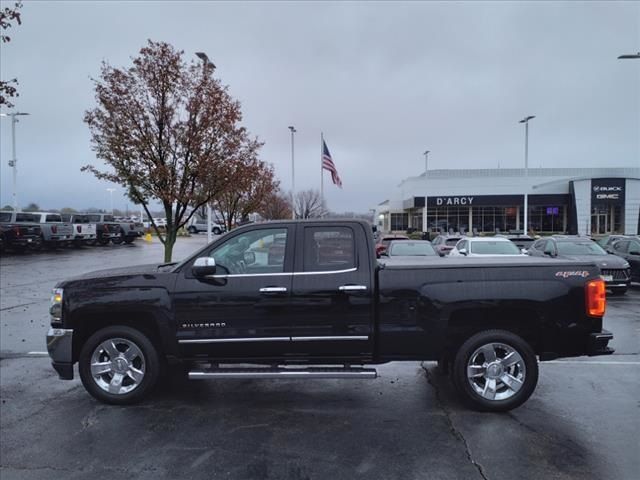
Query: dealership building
[(581, 201)]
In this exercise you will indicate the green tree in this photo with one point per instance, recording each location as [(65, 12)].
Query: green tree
[(32, 207)]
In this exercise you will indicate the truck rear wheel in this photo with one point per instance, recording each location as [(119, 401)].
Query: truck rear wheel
[(119, 365), (495, 371)]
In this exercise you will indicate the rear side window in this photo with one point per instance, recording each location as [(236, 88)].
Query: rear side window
[(27, 218), (53, 218), (328, 248)]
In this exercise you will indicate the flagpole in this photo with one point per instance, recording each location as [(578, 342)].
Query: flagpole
[(321, 168)]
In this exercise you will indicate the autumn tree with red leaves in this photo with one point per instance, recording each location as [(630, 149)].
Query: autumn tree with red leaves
[(275, 207), (251, 183), (169, 131)]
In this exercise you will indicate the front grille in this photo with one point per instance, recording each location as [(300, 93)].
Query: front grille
[(618, 274)]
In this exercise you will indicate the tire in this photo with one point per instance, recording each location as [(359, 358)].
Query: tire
[(103, 241), (520, 371), (135, 377), (217, 231), (118, 240), (192, 230), (129, 240)]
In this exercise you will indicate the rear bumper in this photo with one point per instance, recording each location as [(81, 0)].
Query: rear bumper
[(598, 343), (60, 348)]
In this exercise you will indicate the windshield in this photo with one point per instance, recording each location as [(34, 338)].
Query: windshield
[(494, 248), (585, 247), (388, 240), (451, 242), (411, 249), (5, 217), (109, 218)]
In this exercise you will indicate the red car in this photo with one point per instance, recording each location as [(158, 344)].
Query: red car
[(385, 240)]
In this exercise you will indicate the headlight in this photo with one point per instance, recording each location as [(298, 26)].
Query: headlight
[(56, 306)]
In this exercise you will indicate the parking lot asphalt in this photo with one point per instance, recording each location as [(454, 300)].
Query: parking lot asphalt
[(581, 423)]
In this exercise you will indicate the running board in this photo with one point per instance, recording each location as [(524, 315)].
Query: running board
[(282, 372)]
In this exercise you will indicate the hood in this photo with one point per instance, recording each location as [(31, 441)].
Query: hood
[(602, 261), (152, 268)]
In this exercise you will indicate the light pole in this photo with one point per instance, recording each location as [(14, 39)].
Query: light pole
[(629, 56), (205, 61), (293, 176), (111, 190), (525, 120), (14, 161), (426, 162)]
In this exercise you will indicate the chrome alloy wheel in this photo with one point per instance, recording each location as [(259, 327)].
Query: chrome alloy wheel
[(496, 371), (117, 366)]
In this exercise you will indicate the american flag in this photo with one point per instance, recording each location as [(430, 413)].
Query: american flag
[(327, 164)]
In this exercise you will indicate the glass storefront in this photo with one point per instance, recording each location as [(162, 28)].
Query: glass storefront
[(606, 219)]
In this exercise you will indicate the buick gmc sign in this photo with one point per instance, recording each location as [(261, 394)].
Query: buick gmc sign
[(608, 191)]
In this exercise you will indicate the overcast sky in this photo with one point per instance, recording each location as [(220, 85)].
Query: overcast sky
[(383, 81)]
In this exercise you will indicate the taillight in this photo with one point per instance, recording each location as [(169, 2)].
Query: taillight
[(54, 229), (78, 228), (596, 298)]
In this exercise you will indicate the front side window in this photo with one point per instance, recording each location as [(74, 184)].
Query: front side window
[(328, 249), (621, 246), (27, 218), (256, 251)]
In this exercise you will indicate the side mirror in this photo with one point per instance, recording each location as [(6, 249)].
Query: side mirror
[(463, 251), (249, 258), (203, 266)]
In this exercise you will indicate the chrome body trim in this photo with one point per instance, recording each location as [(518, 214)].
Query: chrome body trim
[(330, 338), (234, 340), (281, 274), (275, 339)]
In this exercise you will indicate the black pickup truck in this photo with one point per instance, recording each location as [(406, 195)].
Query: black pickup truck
[(295, 299)]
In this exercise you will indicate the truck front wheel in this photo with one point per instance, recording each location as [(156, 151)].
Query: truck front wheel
[(495, 371), (119, 365)]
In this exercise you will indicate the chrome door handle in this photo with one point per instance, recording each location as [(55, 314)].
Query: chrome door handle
[(273, 289), (352, 288)]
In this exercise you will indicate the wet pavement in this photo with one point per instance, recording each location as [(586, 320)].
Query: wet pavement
[(581, 423)]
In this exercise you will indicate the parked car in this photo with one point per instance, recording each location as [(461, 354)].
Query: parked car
[(385, 240), (19, 231), (107, 228), (608, 240), (629, 249), (443, 243), (129, 231), (615, 271), (197, 225), (409, 252), (84, 232), (485, 247), (324, 303), (54, 231)]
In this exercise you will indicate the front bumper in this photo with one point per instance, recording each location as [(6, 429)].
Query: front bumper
[(60, 348), (598, 343)]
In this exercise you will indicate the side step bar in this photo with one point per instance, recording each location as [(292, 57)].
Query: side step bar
[(283, 372)]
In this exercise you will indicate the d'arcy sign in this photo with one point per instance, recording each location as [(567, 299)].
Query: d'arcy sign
[(454, 201)]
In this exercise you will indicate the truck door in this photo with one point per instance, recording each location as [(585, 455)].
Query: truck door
[(332, 296), (241, 310)]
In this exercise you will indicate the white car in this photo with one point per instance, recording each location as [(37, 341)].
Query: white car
[(197, 225), (486, 247)]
